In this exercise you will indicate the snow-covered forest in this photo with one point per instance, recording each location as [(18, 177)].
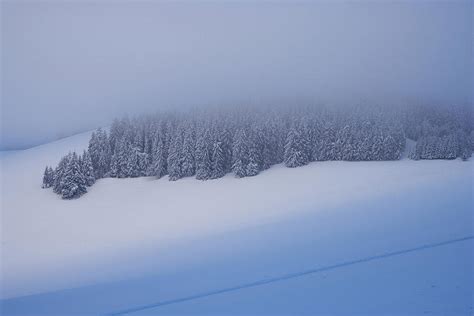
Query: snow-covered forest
[(208, 144)]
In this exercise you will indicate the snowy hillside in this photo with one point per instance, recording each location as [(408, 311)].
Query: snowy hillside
[(329, 237)]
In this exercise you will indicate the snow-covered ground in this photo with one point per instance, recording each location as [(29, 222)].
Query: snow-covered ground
[(331, 237)]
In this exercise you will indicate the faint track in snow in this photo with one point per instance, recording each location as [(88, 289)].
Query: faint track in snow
[(290, 276)]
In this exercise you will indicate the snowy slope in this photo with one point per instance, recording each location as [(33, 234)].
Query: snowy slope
[(134, 242)]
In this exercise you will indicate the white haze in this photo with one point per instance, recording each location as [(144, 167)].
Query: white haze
[(68, 66)]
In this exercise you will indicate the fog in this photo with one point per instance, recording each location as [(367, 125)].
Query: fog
[(72, 66)]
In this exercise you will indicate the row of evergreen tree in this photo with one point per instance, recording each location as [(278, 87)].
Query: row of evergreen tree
[(209, 144)]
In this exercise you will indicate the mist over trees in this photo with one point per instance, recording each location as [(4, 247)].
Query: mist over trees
[(209, 144)]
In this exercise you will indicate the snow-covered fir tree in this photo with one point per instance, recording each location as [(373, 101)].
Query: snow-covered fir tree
[(73, 182), (100, 153), (143, 162), (187, 160), (87, 168), (121, 160), (48, 177), (59, 173), (133, 168), (158, 166), (174, 155), (296, 149), (218, 160), (254, 154), (203, 155), (240, 154)]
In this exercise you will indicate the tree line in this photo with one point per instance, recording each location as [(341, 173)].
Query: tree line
[(212, 143)]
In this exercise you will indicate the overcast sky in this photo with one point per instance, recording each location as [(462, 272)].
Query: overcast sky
[(69, 66)]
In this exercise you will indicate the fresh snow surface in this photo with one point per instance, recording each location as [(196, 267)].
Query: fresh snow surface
[(330, 238)]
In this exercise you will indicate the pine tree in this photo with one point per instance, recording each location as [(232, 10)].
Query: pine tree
[(45, 184), (114, 166), (295, 151), (268, 147), (48, 177), (158, 166), (203, 156), (100, 153), (51, 176), (103, 163), (240, 154), (226, 141), (218, 161), (87, 169), (59, 173), (94, 148), (188, 164), (139, 139), (116, 132), (143, 163), (174, 156), (73, 182), (253, 155), (122, 160), (133, 168)]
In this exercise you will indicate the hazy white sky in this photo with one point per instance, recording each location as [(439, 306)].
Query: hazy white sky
[(68, 66)]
